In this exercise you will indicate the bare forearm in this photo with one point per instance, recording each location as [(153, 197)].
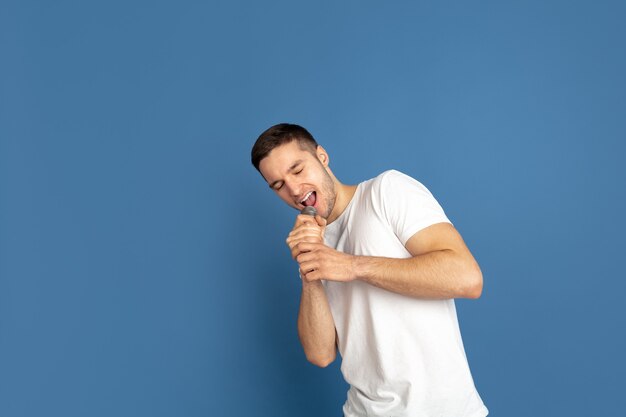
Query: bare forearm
[(316, 327), (436, 275)]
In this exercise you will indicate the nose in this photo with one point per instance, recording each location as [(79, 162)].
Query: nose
[(293, 188)]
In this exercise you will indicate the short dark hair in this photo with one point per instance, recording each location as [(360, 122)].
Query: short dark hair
[(278, 135)]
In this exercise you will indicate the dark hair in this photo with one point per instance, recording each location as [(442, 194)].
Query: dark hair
[(279, 135)]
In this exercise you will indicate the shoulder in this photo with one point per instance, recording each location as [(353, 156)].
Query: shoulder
[(393, 175), (406, 204), (390, 179), (394, 187), (389, 187), (390, 173), (385, 176)]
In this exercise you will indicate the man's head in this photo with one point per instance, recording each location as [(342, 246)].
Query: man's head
[(281, 134), (295, 167)]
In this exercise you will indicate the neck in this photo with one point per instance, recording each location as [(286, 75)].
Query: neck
[(344, 196)]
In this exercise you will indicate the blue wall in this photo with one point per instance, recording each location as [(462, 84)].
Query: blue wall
[(143, 270)]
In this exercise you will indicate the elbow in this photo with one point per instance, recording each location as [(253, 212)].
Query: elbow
[(474, 284), (321, 360), (474, 292)]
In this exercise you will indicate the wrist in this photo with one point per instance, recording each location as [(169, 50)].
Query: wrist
[(358, 267), (362, 267), (312, 287)]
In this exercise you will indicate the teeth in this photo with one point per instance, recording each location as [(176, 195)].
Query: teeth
[(306, 196)]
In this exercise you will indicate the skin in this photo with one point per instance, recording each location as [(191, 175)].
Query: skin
[(440, 267)]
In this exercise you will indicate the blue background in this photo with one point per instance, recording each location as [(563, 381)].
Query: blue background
[(143, 270)]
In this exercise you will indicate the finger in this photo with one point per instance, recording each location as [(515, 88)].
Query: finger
[(301, 246), (305, 246), (292, 241), (295, 252), (305, 257), (304, 219), (307, 267), (320, 220), (306, 235), (312, 276), (295, 249), (307, 226), (306, 229)]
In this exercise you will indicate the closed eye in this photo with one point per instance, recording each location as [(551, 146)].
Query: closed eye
[(277, 186)]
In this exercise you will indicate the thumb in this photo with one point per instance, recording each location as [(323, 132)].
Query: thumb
[(320, 220)]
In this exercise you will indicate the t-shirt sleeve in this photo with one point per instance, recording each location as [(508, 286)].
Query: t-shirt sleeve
[(407, 205)]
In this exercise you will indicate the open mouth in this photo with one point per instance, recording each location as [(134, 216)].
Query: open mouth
[(309, 199)]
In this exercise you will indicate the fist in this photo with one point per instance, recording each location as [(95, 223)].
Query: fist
[(306, 229), (318, 261)]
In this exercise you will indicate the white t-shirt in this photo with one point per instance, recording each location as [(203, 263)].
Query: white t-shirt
[(402, 356)]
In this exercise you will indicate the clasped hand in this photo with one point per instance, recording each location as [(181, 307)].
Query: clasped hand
[(317, 261)]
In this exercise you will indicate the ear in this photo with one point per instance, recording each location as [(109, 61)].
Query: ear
[(322, 155)]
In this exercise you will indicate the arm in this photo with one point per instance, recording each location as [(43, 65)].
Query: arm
[(440, 266), (316, 328)]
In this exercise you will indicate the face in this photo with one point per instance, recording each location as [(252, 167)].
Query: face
[(300, 178)]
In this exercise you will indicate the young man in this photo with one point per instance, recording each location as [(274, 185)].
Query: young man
[(380, 266)]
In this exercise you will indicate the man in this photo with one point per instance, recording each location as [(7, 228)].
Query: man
[(380, 265)]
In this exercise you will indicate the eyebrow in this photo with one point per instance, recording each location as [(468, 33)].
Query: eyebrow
[(291, 168)]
